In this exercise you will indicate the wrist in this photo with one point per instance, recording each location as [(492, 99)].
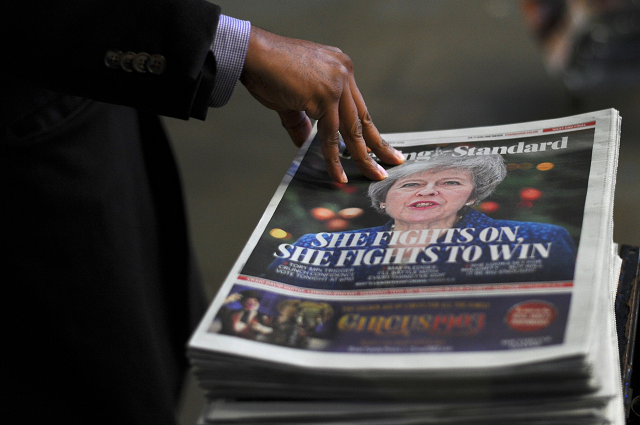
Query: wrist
[(259, 53)]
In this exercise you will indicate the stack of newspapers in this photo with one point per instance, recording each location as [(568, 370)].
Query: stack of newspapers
[(474, 285)]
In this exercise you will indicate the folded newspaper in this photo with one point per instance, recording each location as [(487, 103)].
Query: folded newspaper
[(475, 283)]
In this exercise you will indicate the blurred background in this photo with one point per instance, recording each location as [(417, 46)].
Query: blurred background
[(420, 65)]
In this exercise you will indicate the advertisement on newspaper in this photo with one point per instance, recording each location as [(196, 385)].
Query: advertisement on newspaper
[(498, 322)]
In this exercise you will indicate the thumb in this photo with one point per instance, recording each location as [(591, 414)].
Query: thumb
[(297, 124)]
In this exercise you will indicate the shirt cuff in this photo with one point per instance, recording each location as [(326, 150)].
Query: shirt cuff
[(230, 49)]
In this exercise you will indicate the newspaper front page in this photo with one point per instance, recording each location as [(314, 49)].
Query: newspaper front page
[(475, 283), (486, 248)]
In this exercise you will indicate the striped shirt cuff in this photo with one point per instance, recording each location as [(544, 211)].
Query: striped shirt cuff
[(230, 49)]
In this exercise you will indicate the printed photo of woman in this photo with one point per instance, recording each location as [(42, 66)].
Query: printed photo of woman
[(433, 235)]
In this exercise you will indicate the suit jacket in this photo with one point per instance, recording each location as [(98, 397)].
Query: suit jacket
[(104, 289), (61, 46)]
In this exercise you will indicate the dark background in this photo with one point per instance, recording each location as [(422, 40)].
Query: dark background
[(420, 65)]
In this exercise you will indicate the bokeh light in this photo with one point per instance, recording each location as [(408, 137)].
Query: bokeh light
[(526, 166), (350, 213), (489, 207), (346, 188), (279, 234), (525, 204), (512, 166), (337, 224), (530, 194), (545, 166), (321, 213)]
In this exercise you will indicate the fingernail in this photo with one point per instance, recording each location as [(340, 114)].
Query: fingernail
[(383, 171), (399, 155), (344, 177)]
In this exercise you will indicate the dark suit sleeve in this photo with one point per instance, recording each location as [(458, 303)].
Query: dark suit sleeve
[(61, 46)]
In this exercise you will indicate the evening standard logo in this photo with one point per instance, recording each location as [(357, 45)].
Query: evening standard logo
[(465, 150)]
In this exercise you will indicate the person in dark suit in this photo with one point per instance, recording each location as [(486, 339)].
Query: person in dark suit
[(96, 251)]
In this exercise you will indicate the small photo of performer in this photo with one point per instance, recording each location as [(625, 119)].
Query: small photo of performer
[(245, 322)]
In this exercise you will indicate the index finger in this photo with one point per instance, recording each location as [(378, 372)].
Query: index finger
[(351, 130), (374, 141)]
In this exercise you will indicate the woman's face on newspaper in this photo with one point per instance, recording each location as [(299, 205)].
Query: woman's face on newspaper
[(430, 199)]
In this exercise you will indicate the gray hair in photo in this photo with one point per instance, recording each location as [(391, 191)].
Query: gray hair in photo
[(487, 172)]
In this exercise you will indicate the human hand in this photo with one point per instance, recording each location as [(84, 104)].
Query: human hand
[(300, 80)]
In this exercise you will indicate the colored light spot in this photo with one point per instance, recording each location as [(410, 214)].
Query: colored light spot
[(336, 224), (511, 166), (489, 207), (545, 166), (350, 213), (525, 204), (530, 194), (322, 214), (279, 233)]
